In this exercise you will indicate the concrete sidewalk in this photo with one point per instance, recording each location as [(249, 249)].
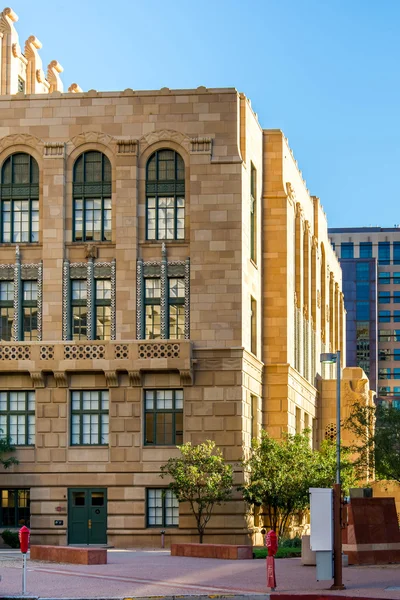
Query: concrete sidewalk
[(140, 574)]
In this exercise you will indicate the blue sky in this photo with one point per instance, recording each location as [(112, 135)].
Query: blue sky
[(326, 72)]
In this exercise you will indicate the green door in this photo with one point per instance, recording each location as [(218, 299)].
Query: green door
[(87, 516)]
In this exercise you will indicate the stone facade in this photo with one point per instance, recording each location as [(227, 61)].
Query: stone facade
[(260, 298)]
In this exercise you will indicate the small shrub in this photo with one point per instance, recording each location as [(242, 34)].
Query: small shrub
[(282, 552), (290, 542), (10, 538)]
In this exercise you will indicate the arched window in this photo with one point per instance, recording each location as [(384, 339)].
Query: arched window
[(92, 197), (165, 196), (19, 193)]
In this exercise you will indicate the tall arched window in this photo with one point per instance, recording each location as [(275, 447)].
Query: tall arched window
[(19, 194), (92, 197), (165, 196)]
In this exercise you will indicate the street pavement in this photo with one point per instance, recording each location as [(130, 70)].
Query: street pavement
[(144, 573)]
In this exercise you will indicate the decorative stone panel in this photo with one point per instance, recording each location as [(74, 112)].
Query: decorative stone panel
[(15, 352), (84, 352), (159, 350), (121, 351), (47, 352)]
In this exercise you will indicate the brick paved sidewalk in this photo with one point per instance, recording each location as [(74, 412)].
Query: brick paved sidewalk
[(155, 573)]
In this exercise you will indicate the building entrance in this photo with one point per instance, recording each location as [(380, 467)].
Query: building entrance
[(87, 516)]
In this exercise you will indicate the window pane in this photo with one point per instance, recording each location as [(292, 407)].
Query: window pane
[(384, 253), (347, 250), (362, 271), (365, 249), (17, 416), (89, 417)]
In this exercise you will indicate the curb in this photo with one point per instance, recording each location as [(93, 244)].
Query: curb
[(178, 597)]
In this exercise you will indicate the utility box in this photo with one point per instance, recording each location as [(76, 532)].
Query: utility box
[(321, 534)]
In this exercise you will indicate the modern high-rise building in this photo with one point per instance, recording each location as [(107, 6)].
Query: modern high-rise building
[(370, 261), (165, 276)]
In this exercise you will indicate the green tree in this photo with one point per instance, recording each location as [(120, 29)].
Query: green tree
[(376, 431), (6, 448), (279, 473), (201, 477)]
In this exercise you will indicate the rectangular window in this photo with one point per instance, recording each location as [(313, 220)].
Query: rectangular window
[(15, 508), (384, 253), (253, 214), (383, 278), (29, 310), (384, 316), (384, 335), (384, 373), (6, 310), (396, 354), (165, 218), (89, 418), (79, 309), (176, 302), (396, 253), (384, 297), (362, 311), (396, 277), (396, 316), (347, 250), (298, 420), (384, 354), (103, 309), (152, 299), (396, 297), (362, 271), (163, 417), (362, 290), (396, 335), (396, 392), (21, 85), (253, 325), (17, 417), (162, 508), (365, 249), (384, 391), (396, 373)]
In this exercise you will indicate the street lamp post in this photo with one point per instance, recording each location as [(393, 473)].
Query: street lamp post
[(331, 358)]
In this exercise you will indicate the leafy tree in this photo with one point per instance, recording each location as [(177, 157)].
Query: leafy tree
[(201, 477), (377, 439), (6, 448), (279, 473)]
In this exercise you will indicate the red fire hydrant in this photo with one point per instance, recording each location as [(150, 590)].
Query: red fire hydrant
[(24, 535), (272, 545)]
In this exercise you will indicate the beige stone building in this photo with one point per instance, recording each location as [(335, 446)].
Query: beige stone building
[(165, 276)]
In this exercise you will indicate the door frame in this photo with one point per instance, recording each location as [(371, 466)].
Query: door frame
[(87, 491)]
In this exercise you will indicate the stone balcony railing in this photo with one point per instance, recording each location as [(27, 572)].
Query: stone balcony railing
[(38, 358)]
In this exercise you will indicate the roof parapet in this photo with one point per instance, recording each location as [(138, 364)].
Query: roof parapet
[(23, 72)]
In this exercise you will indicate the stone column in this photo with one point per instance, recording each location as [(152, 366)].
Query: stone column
[(52, 227)]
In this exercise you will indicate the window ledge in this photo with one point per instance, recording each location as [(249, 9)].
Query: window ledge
[(81, 244), (20, 244), (151, 243)]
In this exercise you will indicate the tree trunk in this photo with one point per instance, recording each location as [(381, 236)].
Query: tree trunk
[(201, 534)]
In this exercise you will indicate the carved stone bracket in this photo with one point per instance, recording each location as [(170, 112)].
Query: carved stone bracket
[(127, 147), (90, 251), (186, 376), (135, 378), (111, 378), (38, 379), (61, 379), (53, 149), (201, 145)]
